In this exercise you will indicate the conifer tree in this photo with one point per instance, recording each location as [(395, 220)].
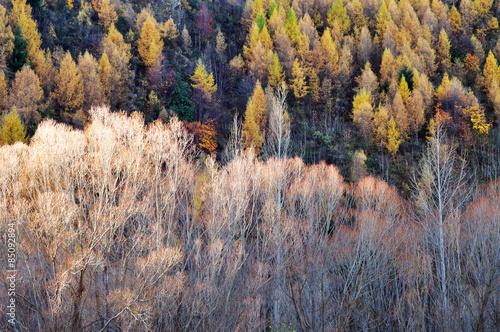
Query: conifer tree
[(12, 129), (298, 81), (69, 85), (180, 102), (255, 119), (105, 75), (276, 74), (30, 33), (26, 94), (383, 18), (403, 89), (89, 71), (20, 52), (203, 81), (150, 44), (491, 72), (443, 50), (106, 13), (292, 28), (338, 13), (315, 86), (3, 90), (362, 112), (6, 39), (331, 54), (393, 140)]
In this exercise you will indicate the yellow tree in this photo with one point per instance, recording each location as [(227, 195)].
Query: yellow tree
[(150, 44), (276, 73), (315, 86), (404, 90), (69, 85), (387, 68), (331, 54), (443, 50), (3, 90), (105, 76), (362, 112), (338, 14), (255, 119), (115, 39), (12, 129), (6, 38), (298, 81), (292, 27), (89, 70), (393, 140), (383, 17), (106, 13), (30, 33), (203, 81), (491, 72)]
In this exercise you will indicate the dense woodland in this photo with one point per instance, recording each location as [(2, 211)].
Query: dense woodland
[(312, 165)]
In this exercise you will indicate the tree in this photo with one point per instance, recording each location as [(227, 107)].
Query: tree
[(278, 133), (491, 72), (298, 82), (26, 94), (362, 113), (204, 23), (276, 74), (404, 90), (3, 90), (292, 27), (106, 13), (255, 119), (443, 51), (20, 51), (331, 54), (150, 44), (285, 50), (69, 92), (180, 102), (338, 13), (358, 167), (169, 30), (393, 140), (12, 129), (92, 89), (105, 75), (439, 196), (186, 39), (6, 39), (383, 18), (387, 68), (30, 32), (203, 81)]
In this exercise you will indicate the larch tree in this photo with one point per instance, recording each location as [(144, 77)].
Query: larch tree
[(26, 94), (93, 92), (276, 73), (362, 113), (30, 32), (69, 92), (331, 54), (443, 51), (292, 27), (255, 120), (12, 130), (105, 76), (3, 90), (404, 90), (388, 66), (106, 13), (383, 18), (204, 23), (203, 81), (315, 86), (298, 81), (393, 135), (285, 50), (338, 13), (491, 72), (150, 44), (6, 39)]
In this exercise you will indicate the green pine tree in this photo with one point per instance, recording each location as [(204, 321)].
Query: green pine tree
[(20, 54), (180, 102)]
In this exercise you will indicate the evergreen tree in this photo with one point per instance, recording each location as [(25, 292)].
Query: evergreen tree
[(20, 53), (180, 102)]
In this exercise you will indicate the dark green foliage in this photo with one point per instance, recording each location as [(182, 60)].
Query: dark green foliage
[(20, 54), (408, 74), (180, 102)]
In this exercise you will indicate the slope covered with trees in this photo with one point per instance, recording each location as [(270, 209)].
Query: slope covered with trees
[(309, 165), (121, 228)]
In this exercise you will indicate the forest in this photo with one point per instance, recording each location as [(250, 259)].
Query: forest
[(268, 165)]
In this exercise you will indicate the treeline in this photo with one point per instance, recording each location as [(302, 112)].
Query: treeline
[(122, 227)]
